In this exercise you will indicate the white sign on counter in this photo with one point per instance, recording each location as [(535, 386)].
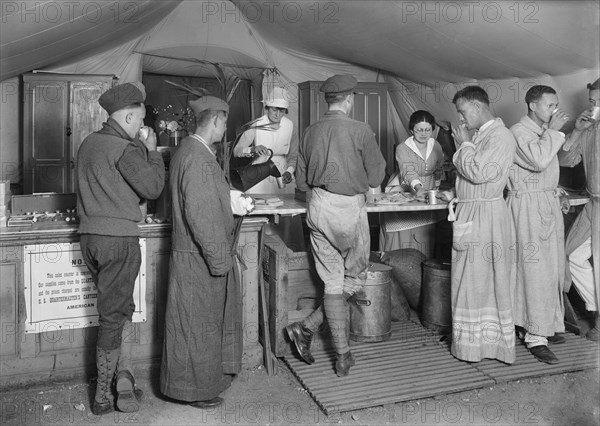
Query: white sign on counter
[(60, 292)]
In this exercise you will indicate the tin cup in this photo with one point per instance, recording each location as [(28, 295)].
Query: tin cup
[(596, 113), (144, 132), (280, 183), (432, 196)]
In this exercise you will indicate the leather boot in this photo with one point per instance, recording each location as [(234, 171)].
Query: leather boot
[(128, 395), (302, 337), (301, 333), (593, 333), (106, 364), (343, 364)]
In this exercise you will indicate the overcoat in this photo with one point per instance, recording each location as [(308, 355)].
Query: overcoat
[(203, 306), (540, 237), (482, 324)]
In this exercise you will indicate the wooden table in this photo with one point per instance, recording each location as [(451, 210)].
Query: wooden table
[(293, 206)]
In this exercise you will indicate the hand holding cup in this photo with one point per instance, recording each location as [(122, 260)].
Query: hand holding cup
[(585, 120), (148, 138), (558, 119), (460, 134)]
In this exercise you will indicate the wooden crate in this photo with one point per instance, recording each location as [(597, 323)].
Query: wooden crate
[(293, 289)]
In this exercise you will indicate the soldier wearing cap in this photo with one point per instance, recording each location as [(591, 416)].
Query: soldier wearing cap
[(199, 359), (117, 169), (280, 137), (339, 160)]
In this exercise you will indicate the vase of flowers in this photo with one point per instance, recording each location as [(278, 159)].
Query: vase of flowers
[(176, 137), (175, 123)]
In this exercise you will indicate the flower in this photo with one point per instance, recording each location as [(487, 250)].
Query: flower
[(169, 126), (172, 120)]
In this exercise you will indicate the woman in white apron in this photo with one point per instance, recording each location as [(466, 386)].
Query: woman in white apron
[(420, 159), (282, 140)]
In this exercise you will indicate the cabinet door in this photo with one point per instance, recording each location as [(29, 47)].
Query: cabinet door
[(59, 112), (311, 105), (45, 136), (370, 106), (86, 116)]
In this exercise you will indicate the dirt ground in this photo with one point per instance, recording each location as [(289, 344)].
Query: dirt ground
[(256, 398)]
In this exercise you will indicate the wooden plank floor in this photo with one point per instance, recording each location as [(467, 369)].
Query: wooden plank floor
[(411, 365), (414, 364)]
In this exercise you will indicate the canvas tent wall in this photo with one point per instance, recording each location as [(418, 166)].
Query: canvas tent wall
[(425, 50)]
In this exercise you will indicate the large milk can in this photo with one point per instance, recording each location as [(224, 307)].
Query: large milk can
[(436, 311), (370, 308)]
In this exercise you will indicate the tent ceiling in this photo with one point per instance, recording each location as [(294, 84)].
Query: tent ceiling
[(421, 41), (429, 41), (191, 35), (184, 61), (36, 34)]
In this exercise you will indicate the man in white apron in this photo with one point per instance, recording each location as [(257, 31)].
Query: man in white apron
[(280, 137)]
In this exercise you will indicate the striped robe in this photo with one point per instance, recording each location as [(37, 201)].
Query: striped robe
[(540, 237), (482, 324)]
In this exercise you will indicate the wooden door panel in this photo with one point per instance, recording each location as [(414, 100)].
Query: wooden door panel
[(49, 177), (49, 136), (359, 112), (86, 116), (8, 308)]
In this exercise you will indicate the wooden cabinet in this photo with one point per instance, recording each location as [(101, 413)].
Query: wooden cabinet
[(59, 111), (370, 106)]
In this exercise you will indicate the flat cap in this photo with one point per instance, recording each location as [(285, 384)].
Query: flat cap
[(208, 102), (339, 84), (122, 96)]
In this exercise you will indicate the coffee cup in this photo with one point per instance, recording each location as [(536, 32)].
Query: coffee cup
[(596, 113), (432, 196), (144, 132)]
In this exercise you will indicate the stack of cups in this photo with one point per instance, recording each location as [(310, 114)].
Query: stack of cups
[(4, 202)]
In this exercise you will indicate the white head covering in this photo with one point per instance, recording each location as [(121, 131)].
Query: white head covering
[(278, 98)]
